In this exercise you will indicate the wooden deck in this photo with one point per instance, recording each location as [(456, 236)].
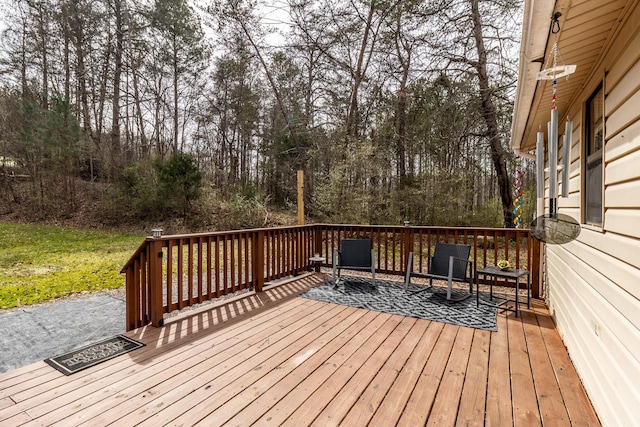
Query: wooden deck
[(275, 359)]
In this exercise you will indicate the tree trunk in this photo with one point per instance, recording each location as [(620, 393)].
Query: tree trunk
[(144, 151), (67, 67), (43, 28), (81, 73), (272, 82), (401, 112), (490, 114), (175, 93), (102, 91), (351, 126), (23, 60), (156, 117), (117, 74)]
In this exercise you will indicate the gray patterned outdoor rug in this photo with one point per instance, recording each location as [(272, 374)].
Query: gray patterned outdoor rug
[(387, 297), (91, 355)]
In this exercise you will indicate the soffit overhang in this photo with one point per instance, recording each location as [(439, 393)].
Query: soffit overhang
[(587, 28)]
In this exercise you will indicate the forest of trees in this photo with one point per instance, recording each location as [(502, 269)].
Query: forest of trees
[(154, 109)]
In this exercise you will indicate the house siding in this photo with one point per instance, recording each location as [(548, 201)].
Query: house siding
[(593, 283)]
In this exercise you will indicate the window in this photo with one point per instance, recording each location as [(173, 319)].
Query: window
[(594, 144)]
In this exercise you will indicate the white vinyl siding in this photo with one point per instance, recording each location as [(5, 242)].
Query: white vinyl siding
[(593, 283)]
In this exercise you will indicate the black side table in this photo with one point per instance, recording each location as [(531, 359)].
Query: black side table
[(494, 272), (317, 261)]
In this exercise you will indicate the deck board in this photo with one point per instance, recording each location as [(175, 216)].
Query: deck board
[(236, 357), (574, 397), (474, 394), (499, 400), (275, 359), (523, 395), (552, 408), (368, 402), (342, 401), (270, 365), (306, 413), (445, 407), (311, 368), (421, 400), (392, 407)]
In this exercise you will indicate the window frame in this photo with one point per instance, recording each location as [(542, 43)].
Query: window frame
[(593, 162)]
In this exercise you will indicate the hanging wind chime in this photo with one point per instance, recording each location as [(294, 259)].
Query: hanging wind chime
[(554, 227)]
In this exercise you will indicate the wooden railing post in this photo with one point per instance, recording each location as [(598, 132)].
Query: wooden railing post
[(317, 246), (258, 260), (300, 261), (155, 282), (131, 296)]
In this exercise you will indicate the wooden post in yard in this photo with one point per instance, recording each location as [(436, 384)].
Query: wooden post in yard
[(300, 197)]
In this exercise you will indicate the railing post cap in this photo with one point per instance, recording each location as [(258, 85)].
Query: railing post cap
[(156, 232)]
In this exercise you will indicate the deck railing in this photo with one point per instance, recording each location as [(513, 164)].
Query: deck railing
[(174, 272)]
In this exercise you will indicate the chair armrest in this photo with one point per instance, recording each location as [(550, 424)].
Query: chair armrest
[(468, 263)]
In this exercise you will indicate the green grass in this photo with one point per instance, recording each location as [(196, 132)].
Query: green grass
[(40, 263)]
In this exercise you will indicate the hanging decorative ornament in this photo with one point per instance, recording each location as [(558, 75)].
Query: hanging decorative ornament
[(517, 201), (554, 227), (554, 70)]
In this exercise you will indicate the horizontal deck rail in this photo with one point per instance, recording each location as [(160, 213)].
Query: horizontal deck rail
[(174, 272)]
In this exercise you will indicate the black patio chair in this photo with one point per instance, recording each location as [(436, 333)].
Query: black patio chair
[(354, 254), (449, 262)]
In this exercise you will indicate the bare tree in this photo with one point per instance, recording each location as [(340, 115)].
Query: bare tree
[(498, 153), (182, 48), (467, 51)]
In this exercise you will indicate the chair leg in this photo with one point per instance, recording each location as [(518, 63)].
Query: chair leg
[(450, 278), (373, 268), (450, 285), (335, 258), (407, 275), (424, 288)]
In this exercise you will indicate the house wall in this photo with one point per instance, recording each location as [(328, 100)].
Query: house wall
[(593, 283)]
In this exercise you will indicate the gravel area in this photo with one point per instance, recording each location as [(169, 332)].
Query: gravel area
[(34, 333)]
